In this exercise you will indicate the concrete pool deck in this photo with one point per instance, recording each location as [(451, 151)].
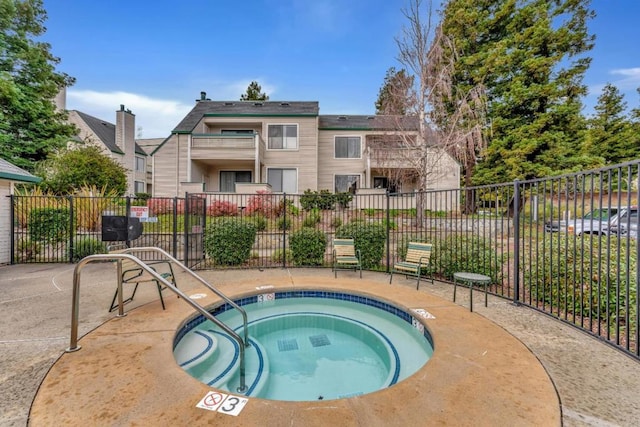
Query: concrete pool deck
[(125, 373)]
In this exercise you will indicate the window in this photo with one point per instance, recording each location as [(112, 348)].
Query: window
[(282, 137), (139, 187), (346, 183), (228, 179), (283, 180), (140, 164), (347, 147), (384, 182)]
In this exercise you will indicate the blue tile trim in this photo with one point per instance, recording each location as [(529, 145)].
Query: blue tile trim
[(203, 352), (233, 361)]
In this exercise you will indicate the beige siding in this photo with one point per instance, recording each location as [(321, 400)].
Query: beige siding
[(86, 134), (329, 166), (304, 159), (166, 169), (5, 223)]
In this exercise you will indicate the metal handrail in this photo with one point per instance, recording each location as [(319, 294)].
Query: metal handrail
[(201, 280), (75, 310)]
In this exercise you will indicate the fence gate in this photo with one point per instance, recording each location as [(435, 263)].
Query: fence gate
[(194, 225)]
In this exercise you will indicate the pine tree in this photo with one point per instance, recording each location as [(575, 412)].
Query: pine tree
[(394, 93), (529, 55), (254, 93), (30, 126), (610, 131)]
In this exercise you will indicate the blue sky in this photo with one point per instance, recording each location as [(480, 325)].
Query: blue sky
[(156, 56)]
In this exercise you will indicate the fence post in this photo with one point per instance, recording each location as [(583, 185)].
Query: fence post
[(388, 230), (516, 240), (12, 226), (186, 229), (174, 227), (284, 230), (71, 229), (128, 214)]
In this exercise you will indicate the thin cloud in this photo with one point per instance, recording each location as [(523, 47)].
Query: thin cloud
[(155, 118), (630, 78)]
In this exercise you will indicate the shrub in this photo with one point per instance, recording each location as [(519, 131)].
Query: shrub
[(577, 283), (312, 218), (262, 203), (49, 225), (463, 253), (67, 170), (323, 200), (308, 246), (222, 208), (336, 222), (284, 223), (84, 246), (343, 199), (88, 205), (276, 256), (259, 221), (370, 238), (287, 207), (229, 241), (369, 211), (435, 214), (161, 206), (27, 250)]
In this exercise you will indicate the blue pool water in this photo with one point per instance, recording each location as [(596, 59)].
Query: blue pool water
[(306, 345)]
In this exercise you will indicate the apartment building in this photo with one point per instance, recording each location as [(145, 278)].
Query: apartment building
[(118, 142), (289, 147)]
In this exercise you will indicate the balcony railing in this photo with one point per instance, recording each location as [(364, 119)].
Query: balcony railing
[(397, 157), (223, 141), (223, 146)]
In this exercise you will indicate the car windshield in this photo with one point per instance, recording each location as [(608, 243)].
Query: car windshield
[(601, 214)]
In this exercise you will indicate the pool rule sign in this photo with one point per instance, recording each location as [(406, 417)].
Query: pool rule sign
[(221, 402)]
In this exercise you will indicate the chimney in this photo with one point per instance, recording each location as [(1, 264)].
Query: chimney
[(203, 96), (126, 141), (60, 100)]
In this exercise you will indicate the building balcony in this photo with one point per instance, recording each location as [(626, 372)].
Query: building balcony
[(225, 147), (392, 158)]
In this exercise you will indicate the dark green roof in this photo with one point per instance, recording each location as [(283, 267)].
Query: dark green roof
[(346, 122), (14, 173), (246, 108)]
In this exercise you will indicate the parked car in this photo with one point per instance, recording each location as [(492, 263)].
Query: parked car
[(601, 221)]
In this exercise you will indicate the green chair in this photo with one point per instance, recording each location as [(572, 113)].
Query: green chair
[(416, 262), (133, 274), (345, 256)]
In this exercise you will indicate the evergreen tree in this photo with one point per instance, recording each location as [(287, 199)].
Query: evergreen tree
[(30, 125), (529, 54), (635, 129), (254, 93), (394, 93), (610, 131)]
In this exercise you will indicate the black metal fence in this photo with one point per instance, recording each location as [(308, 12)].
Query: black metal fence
[(566, 246)]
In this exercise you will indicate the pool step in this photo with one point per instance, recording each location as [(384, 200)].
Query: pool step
[(195, 348), (223, 369)]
